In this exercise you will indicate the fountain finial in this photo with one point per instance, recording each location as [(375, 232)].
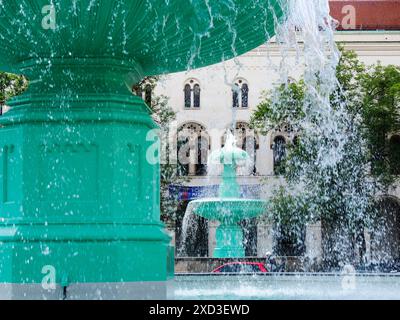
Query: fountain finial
[(231, 157)]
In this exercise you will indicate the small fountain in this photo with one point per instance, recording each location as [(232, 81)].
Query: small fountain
[(229, 208)]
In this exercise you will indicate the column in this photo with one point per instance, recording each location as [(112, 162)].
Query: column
[(265, 238), (314, 242), (192, 155), (264, 161), (212, 237), (368, 253)]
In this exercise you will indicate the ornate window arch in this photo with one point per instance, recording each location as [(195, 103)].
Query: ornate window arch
[(188, 95), (145, 91), (192, 94), (245, 95), (247, 139), (148, 94), (193, 148), (240, 94), (279, 150)]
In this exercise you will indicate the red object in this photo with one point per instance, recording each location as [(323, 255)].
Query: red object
[(366, 14), (242, 267)]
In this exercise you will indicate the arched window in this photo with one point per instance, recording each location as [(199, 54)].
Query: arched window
[(250, 146), (196, 96), (183, 156), (245, 95), (240, 94), (296, 141), (145, 91), (193, 149), (148, 95), (192, 94), (202, 156), (235, 96), (188, 96), (394, 154), (247, 139), (279, 149)]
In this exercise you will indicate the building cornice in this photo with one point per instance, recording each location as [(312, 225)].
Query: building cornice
[(365, 42)]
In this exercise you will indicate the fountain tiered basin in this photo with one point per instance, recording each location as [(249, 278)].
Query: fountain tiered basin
[(229, 211), (229, 208)]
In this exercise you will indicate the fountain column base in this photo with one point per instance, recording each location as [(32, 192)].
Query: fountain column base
[(229, 242), (79, 201), (229, 212)]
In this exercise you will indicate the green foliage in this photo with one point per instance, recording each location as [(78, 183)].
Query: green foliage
[(11, 85), (340, 192), (290, 214), (281, 106), (381, 113), (350, 72), (164, 115), (288, 209), (372, 98)]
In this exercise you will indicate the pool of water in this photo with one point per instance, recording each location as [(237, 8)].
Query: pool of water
[(287, 287)]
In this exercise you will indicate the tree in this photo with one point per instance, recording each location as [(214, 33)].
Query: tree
[(329, 168), (170, 176), (10, 85), (381, 113), (284, 105), (163, 115), (290, 215)]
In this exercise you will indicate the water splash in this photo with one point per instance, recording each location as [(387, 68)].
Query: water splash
[(329, 170)]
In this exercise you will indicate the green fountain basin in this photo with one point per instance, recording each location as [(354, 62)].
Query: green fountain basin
[(78, 196), (229, 211), (135, 37)]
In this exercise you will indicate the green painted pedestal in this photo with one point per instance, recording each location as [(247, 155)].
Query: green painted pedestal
[(79, 200), (79, 195)]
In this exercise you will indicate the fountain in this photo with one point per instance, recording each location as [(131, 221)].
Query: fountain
[(79, 200), (229, 208)]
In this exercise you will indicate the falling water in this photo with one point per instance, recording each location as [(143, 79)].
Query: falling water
[(330, 172), (330, 135)]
